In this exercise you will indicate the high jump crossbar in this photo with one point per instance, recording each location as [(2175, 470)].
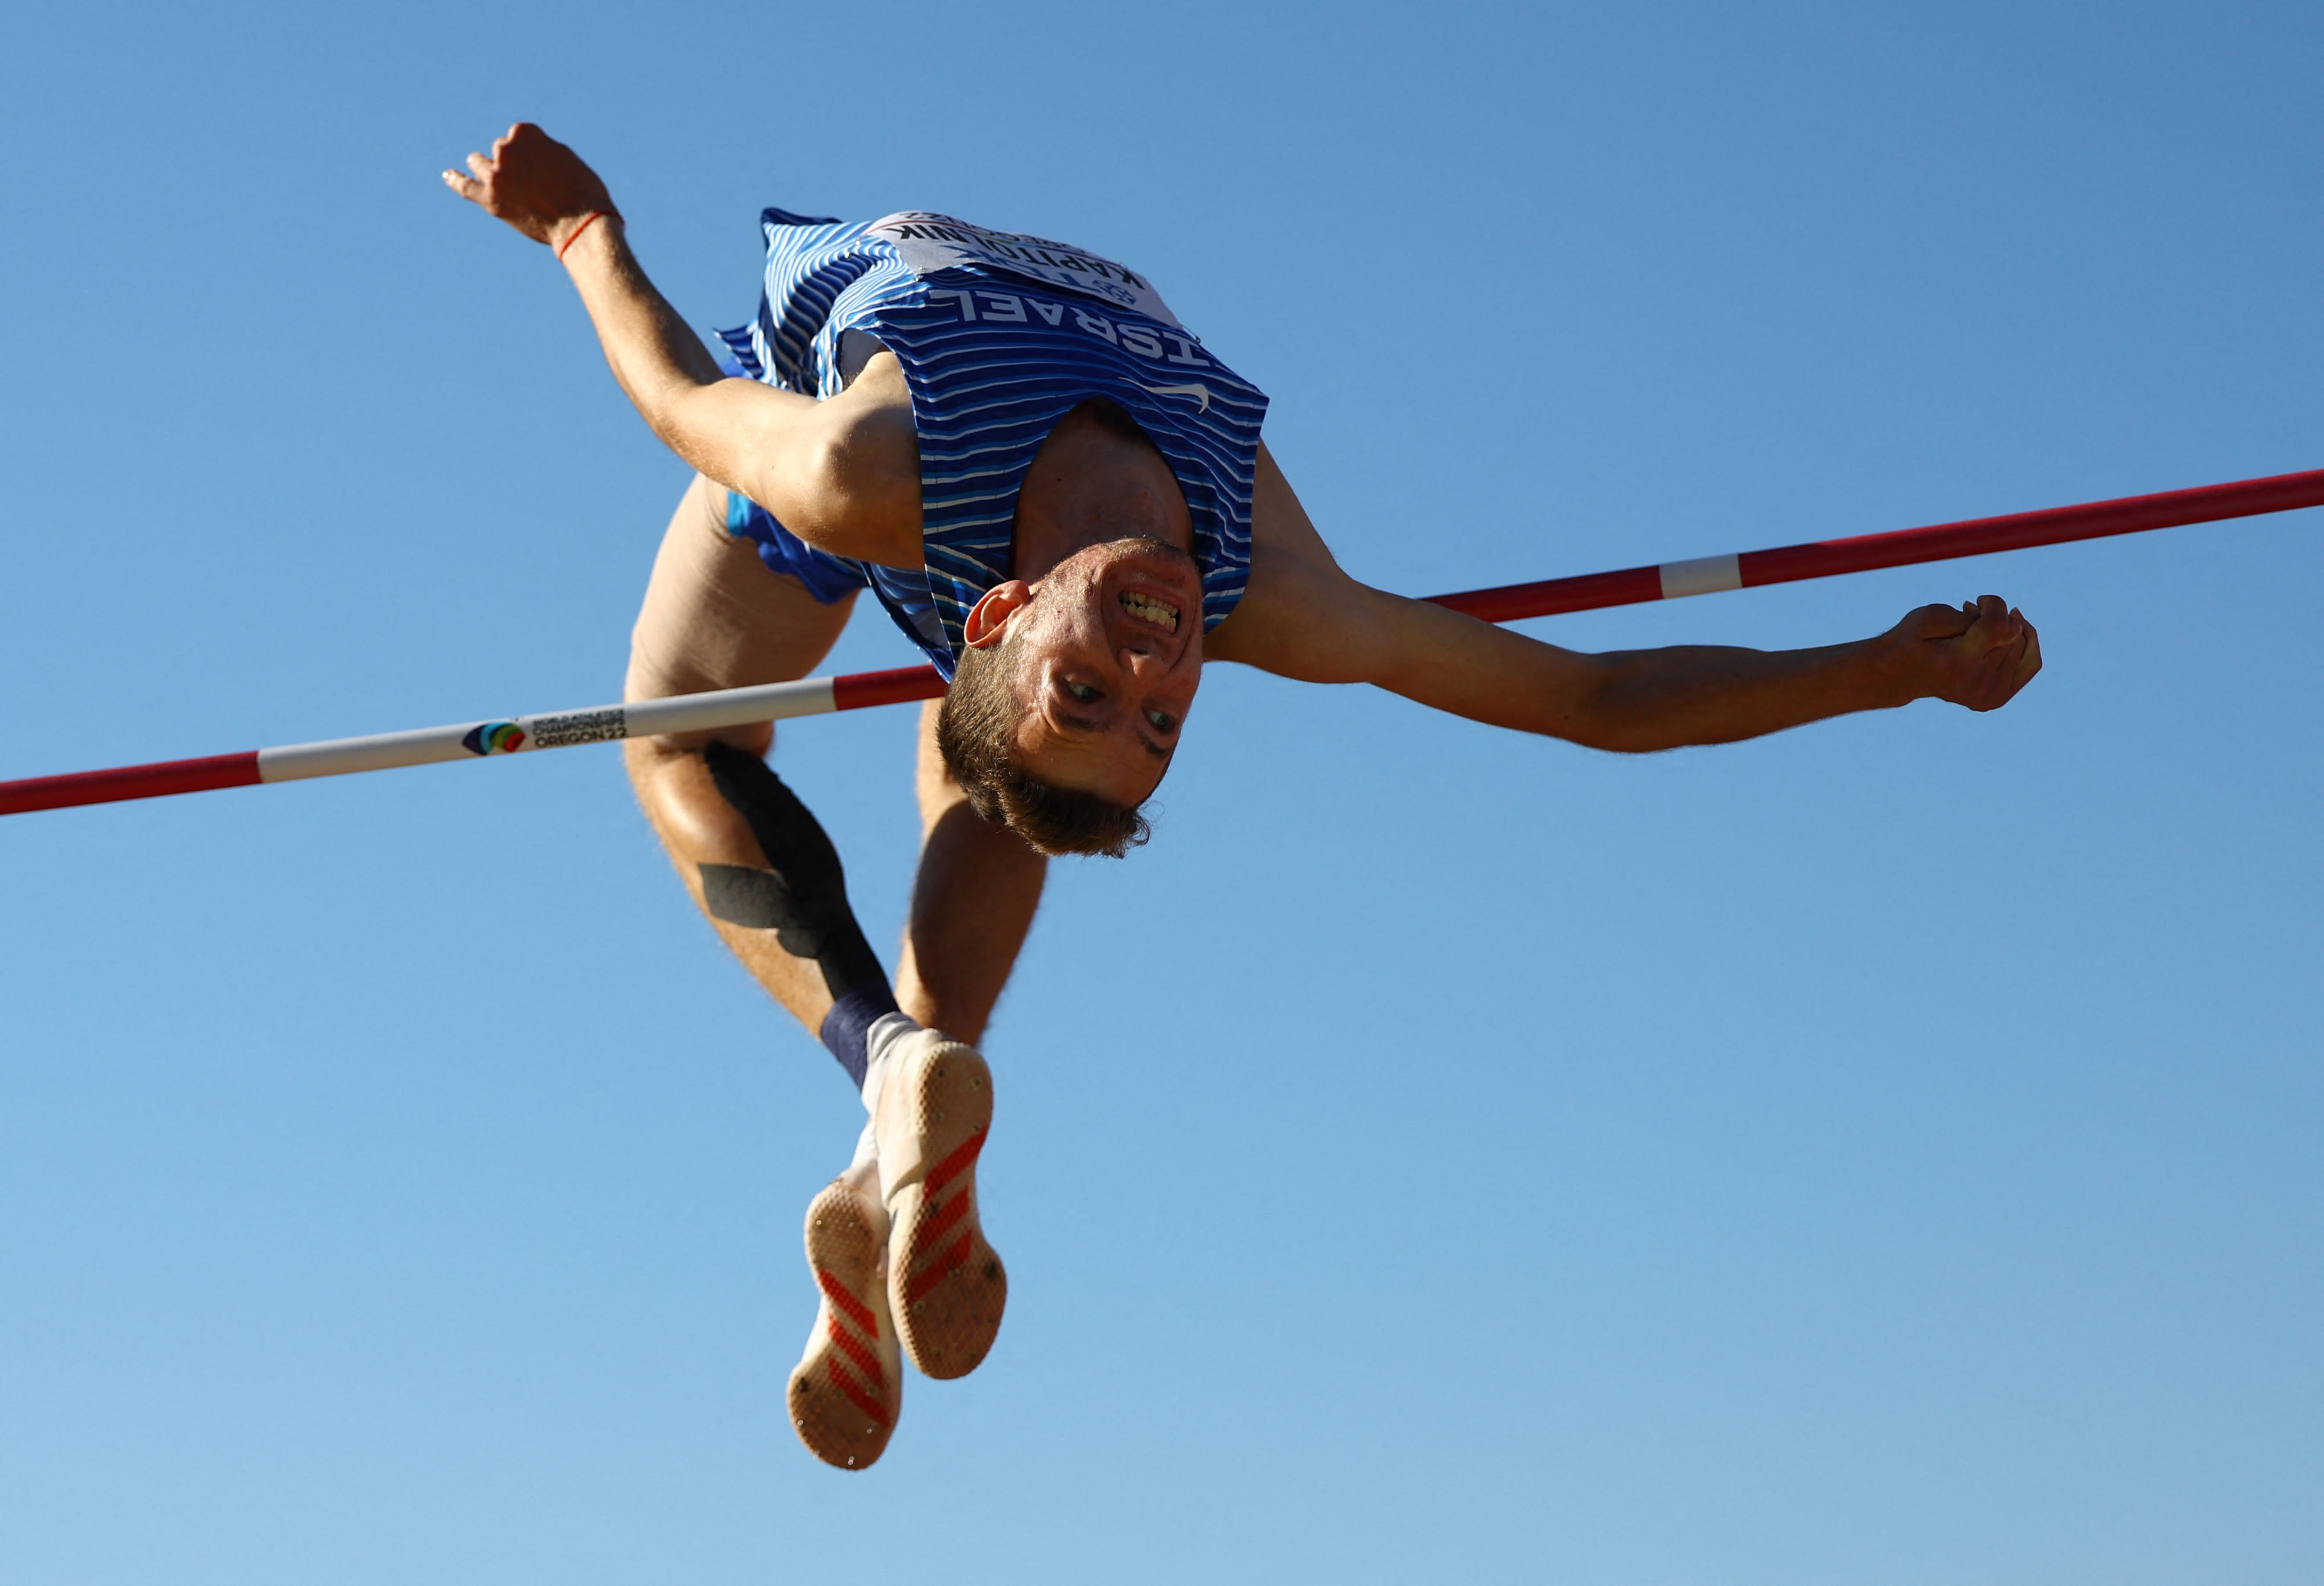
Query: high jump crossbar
[(735, 707)]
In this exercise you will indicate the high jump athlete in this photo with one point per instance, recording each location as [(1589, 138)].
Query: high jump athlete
[(1060, 495)]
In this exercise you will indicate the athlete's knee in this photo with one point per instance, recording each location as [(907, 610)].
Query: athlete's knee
[(714, 803), (801, 895), (653, 756)]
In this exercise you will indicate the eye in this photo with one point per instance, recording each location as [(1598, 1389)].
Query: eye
[(1082, 692), (1162, 719)]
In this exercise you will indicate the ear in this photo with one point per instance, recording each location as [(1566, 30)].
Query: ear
[(987, 620)]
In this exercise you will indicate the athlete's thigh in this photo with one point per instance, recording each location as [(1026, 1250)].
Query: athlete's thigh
[(715, 616)]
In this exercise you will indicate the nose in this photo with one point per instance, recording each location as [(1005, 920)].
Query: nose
[(1137, 658)]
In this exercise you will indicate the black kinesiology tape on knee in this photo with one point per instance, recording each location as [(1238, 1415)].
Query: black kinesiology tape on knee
[(803, 898)]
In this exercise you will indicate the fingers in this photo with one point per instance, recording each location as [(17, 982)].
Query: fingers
[(2006, 668), (531, 181), (1988, 616), (1935, 621), (2000, 624), (477, 189), (2031, 662), (1979, 654)]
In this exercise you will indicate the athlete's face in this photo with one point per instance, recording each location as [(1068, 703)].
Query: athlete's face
[(1110, 654)]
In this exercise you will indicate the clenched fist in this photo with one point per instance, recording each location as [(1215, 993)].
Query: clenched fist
[(1978, 655), (535, 183)]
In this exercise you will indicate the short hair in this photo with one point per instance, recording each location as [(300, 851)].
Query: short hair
[(976, 734)]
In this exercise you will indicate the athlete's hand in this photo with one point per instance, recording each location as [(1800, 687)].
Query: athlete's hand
[(1977, 655), (535, 183)]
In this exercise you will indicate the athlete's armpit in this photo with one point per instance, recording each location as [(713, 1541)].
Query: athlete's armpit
[(844, 474), (1301, 617), (850, 476)]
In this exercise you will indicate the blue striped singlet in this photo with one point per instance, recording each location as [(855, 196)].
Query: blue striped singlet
[(1000, 337)]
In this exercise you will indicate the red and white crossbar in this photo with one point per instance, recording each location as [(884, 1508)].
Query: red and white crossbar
[(735, 707)]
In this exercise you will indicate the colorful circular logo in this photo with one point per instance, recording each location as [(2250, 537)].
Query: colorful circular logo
[(493, 738)]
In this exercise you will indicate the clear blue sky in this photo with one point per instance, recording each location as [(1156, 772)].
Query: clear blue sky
[(1886, 1152)]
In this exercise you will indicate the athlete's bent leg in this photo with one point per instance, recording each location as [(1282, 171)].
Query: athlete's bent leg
[(758, 864), (895, 1243), (717, 617)]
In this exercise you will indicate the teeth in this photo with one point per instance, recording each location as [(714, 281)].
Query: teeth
[(1152, 610)]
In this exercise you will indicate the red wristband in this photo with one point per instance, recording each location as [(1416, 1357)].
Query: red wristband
[(587, 221)]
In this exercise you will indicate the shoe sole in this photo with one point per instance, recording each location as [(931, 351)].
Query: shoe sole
[(849, 1387), (947, 1289)]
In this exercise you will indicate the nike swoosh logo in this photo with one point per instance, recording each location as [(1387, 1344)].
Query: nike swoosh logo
[(1202, 391)]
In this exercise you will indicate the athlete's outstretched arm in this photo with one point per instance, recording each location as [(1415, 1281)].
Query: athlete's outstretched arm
[(842, 474), (1304, 618)]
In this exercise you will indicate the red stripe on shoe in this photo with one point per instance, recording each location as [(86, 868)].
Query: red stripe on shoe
[(937, 1226), (856, 1310), (964, 1156), (936, 1271), (855, 1391), (865, 1360)]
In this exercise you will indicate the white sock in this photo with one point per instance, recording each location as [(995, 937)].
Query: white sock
[(863, 1170), (878, 1043)]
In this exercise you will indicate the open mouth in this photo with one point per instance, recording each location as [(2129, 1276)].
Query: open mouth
[(1146, 608)]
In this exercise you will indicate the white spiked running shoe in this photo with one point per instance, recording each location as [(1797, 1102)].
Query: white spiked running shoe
[(849, 1386), (933, 1108)]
